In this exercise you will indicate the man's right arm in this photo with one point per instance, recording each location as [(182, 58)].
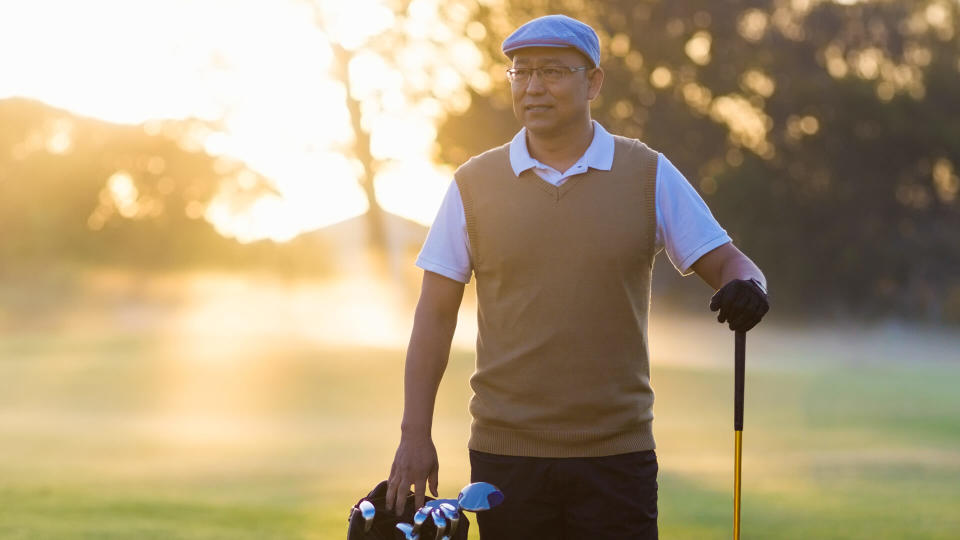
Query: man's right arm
[(434, 324)]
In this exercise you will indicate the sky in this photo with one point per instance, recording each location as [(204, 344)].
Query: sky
[(261, 71)]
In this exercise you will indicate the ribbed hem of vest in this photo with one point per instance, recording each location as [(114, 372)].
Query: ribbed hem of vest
[(559, 444)]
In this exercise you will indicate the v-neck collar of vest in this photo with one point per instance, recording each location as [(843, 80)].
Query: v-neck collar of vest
[(554, 192)]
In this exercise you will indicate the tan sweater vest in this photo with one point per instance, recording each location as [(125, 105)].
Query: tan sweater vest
[(563, 287)]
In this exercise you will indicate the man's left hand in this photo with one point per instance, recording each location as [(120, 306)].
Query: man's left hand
[(742, 303)]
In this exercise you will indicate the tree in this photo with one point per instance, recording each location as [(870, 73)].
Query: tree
[(409, 62), (814, 130), (78, 190)]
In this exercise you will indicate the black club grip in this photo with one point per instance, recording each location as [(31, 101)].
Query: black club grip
[(740, 344)]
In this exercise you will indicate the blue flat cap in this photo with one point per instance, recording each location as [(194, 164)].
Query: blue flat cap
[(555, 31)]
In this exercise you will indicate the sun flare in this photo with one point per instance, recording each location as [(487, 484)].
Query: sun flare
[(261, 71)]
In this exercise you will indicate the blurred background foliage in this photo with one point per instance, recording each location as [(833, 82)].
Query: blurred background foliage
[(80, 191), (818, 132)]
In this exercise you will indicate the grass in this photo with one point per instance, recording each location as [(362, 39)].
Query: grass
[(840, 453), (170, 433)]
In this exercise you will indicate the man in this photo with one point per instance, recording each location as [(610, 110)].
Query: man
[(560, 227)]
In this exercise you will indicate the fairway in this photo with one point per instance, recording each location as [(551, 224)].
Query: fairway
[(220, 220), (136, 435)]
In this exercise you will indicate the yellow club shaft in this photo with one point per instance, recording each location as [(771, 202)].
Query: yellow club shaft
[(736, 485)]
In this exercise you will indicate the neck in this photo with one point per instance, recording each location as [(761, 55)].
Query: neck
[(560, 150)]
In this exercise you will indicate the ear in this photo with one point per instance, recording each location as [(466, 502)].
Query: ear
[(595, 81)]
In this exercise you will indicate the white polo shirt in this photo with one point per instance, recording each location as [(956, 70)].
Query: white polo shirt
[(685, 226)]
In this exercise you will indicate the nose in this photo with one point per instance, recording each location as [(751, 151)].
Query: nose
[(535, 84)]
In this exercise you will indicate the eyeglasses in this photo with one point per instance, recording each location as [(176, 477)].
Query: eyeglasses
[(550, 74)]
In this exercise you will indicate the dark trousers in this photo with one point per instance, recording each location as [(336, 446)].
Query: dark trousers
[(611, 497)]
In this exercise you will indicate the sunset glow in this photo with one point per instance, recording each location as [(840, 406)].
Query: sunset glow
[(261, 72)]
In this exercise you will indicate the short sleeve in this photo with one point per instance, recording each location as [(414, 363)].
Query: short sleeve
[(686, 228), (446, 251)]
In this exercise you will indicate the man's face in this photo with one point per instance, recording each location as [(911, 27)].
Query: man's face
[(548, 108)]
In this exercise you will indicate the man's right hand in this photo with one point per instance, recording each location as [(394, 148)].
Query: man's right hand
[(414, 463), (433, 326)]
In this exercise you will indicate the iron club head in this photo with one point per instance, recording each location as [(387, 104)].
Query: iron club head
[(407, 530), (367, 510), (420, 517), (440, 521), (452, 513), (479, 496), (437, 502)]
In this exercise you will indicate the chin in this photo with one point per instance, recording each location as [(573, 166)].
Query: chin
[(539, 127)]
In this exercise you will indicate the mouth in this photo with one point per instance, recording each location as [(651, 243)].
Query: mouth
[(537, 108)]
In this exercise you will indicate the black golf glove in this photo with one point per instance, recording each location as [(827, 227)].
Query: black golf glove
[(742, 303)]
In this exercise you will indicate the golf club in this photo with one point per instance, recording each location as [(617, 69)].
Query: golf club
[(419, 518), (439, 521), (445, 513), (407, 530), (479, 496), (435, 503), (740, 341), (367, 510), (453, 516)]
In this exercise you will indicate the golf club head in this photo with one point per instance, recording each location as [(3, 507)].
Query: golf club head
[(422, 525), (420, 517), (367, 510), (384, 521), (407, 530), (439, 520), (479, 496), (452, 513), (437, 502)]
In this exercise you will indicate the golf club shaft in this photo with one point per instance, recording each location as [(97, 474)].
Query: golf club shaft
[(739, 368), (739, 353), (736, 486)]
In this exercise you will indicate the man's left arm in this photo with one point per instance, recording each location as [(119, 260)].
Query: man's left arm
[(741, 296)]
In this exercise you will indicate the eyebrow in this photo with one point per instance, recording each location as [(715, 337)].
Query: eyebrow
[(545, 60)]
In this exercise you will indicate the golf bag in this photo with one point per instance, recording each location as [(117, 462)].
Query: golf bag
[(385, 521)]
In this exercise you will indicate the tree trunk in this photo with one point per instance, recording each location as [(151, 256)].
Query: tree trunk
[(361, 150)]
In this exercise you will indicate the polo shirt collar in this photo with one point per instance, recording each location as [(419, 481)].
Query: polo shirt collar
[(599, 154)]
